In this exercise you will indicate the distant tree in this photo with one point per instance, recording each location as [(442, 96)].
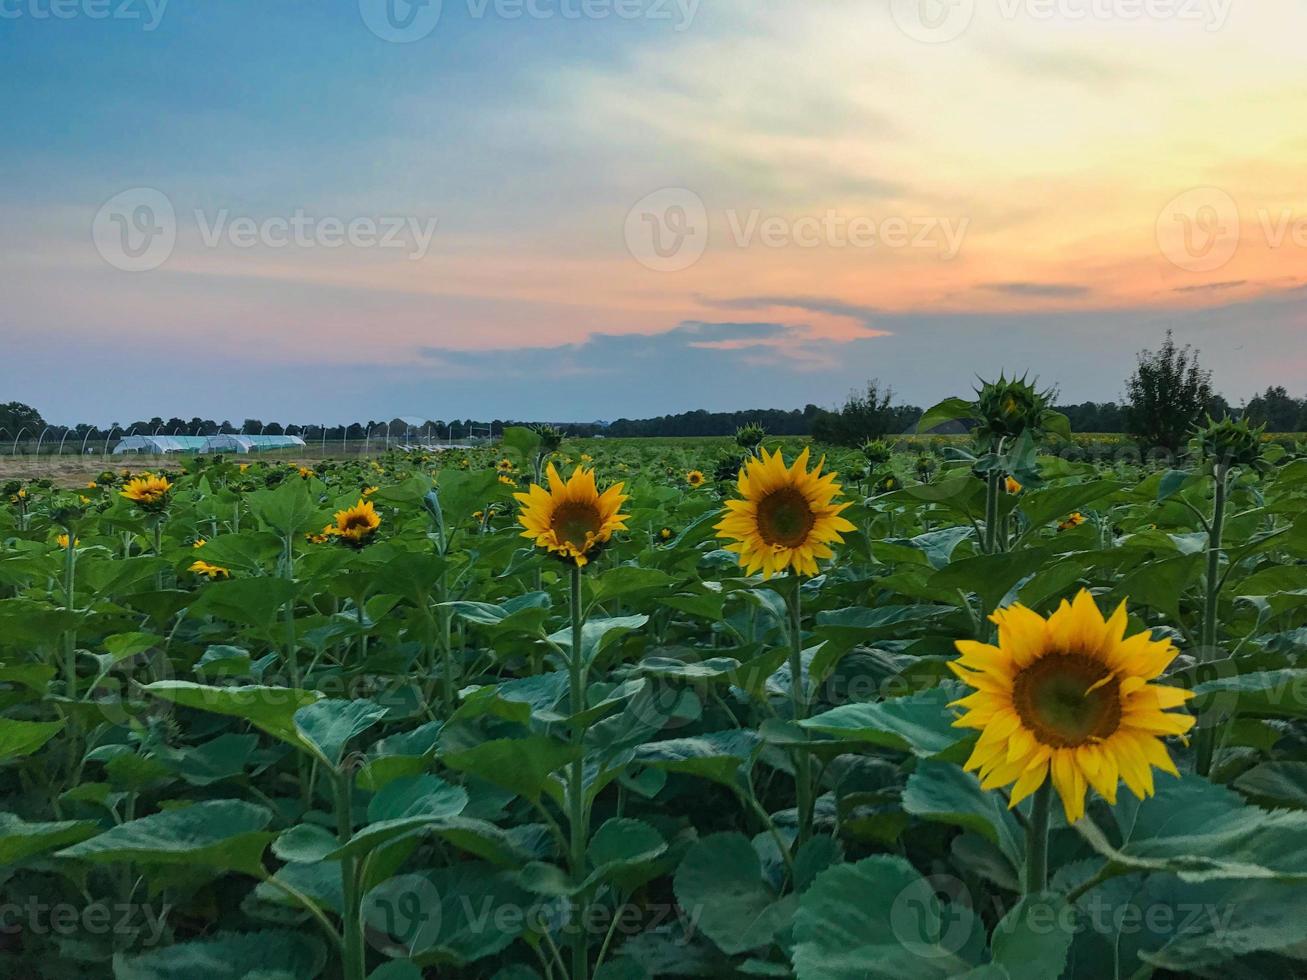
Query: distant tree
[(15, 416), (1276, 409), (867, 414), (1168, 393)]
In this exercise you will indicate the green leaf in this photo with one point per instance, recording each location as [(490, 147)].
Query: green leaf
[(1264, 694), (945, 793), (880, 920), (989, 576), (598, 634), (271, 709), (22, 738), (221, 834), (1197, 830), (328, 725), (1032, 940), (522, 765), (287, 509), (228, 956), (522, 442), (1276, 784), (20, 840), (921, 723), (720, 880), (717, 756), (1041, 507), (949, 410), (250, 601), (403, 806)]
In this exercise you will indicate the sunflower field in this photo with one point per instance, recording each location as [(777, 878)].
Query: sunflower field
[(553, 710)]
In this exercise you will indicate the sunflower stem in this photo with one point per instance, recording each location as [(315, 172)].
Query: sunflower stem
[(576, 786), (1041, 809), (1205, 747), (799, 702)]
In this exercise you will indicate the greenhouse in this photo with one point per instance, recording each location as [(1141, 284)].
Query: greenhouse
[(160, 445), (251, 444)]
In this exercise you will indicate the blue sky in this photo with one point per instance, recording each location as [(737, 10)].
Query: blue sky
[(842, 200)]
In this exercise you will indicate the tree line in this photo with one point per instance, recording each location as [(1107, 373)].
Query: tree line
[(1168, 392)]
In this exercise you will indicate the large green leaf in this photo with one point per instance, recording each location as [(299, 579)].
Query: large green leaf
[(270, 709), (228, 956), (720, 884), (522, 765), (220, 834), (880, 920), (20, 840), (921, 723), (943, 792), (22, 738), (1198, 830)]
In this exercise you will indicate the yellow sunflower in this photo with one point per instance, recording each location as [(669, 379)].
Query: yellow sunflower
[(147, 490), (62, 541), (695, 478), (1075, 520), (1069, 697), (1011, 485), (571, 519), (788, 517), (211, 572), (504, 466), (356, 524)]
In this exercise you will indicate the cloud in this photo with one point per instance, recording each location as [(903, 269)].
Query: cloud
[(1053, 290)]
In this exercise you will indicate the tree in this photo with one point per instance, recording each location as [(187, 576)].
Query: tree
[(866, 414), (1167, 395), (1276, 409), (15, 416)]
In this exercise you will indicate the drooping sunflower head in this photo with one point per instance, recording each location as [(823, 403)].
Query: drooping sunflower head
[(695, 478), (787, 517), (1069, 698), (148, 491), (355, 525), (571, 519)]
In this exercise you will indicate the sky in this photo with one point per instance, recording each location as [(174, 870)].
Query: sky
[(312, 211)]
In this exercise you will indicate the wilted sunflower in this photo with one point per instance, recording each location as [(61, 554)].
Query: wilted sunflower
[(148, 491), (695, 478), (788, 517), (211, 572), (572, 519), (1075, 520), (356, 524), (1068, 697)]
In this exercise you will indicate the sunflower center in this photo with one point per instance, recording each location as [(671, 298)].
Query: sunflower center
[(1057, 699), (355, 522), (785, 518), (573, 521)]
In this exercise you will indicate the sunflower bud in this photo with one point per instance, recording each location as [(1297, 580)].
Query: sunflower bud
[(749, 437), (878, 452), (1229, 443), (1009, 408)]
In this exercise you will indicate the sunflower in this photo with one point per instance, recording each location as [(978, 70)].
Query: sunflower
[(666, 534), (151, 492), (369, 491), (1075, 520), (356, 524), (211, 572), (62, 541), (1011, 485), (572, 519), (305, 473), (1068, 698), (788, 517), (504, 466), (695, 479)]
